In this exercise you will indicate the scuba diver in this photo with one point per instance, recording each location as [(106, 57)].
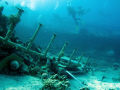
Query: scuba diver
[(81, 10), (73, 13)]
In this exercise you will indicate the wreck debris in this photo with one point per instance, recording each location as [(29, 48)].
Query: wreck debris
[(92, 62), (61, 53), (86, 61), (71, 56), (80, 58), (33, 38), (14, 19), (3, 22), (45, 70), (81, 85), (52, 39)]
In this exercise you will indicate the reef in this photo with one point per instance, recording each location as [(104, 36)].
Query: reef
[(55, 82)]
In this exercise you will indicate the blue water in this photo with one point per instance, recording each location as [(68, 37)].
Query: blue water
[(96, 37)]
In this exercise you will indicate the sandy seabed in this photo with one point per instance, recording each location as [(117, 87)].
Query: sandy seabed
[(93, 81), (19, 83)]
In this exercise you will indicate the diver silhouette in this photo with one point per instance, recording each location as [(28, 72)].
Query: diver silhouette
[(72, 12), (81, 10)]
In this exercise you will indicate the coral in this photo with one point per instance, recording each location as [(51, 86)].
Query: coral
[(35, 70), (84, 88), (24, 68), (14, 65), (6, 61), (54, 76), (3, 22), (14, 19), (44, 76), (49, 84), (55, 82)]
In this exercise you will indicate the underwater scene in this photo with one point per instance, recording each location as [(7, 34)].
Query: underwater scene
[(59, 44)]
